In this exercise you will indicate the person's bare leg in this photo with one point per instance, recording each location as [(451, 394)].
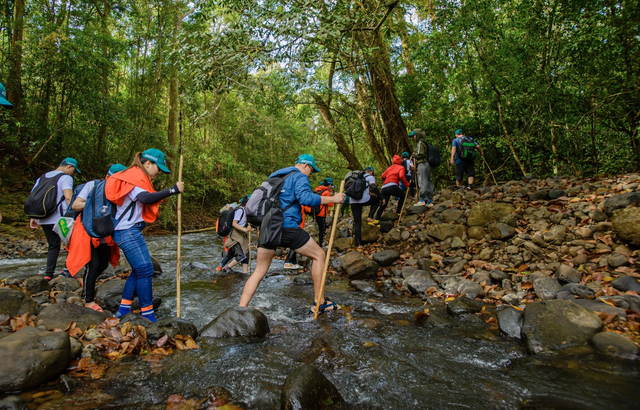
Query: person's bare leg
[(262, 266), (245, 268), (313, 251), (232, 264), (458, 183), (470, 180)]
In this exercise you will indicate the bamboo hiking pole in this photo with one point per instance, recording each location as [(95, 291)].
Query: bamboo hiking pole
[(179, 239), (328, 257), (404, 204)]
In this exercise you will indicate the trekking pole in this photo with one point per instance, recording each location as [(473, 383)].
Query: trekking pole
[(487, 164), (404, 204), (334, 226), (179, 239), (250, 252)]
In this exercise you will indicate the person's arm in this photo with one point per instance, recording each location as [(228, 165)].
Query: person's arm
[(403, 178), (68, 194), (147, 198), (78, 204), (240, 228), (453, 154), (479, 149)]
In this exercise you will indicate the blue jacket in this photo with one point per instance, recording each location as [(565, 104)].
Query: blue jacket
[(296, 189)]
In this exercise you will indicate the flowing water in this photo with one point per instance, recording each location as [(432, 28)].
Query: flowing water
[(376, 355)]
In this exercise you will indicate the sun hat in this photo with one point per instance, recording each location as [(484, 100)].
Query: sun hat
[(157, 157), (71, 161), (116, 168), (309, 160)]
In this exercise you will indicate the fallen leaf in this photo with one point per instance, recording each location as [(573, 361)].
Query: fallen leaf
[(526, 285), (98, 372), (191, 344), (126, 328), (420, 315), (180, 345), (162, 341)]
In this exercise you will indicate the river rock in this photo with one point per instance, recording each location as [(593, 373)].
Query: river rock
[(584, 232), (615, 344), (416, 210), (556, 193), (386, 226), (342, 244), (389, 215), (420, 281), (171, 326), (386, 257), (63, 283), (626, 224), (307, 388), (476, 232), (620, 201), (626, 283), (135, 319), (445, 231), (452, 215), (501, 231), (615, 260), (60, 316), (552, 325), (32, 356), (370, 233), (14, 303), (484, 213), (457, 243), (486, 254), (109, 295), (237, 322), (599, 307), (567, 274), (36, 284), (359, 267), (539, 195), (394, 236), (362, 285), (546, 288), (555, 235), (598, 215), (471, 289), (578, 290), (463, 305), (12, 403), (437, 320), (510, 322)]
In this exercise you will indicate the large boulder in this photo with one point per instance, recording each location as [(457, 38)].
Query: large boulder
[(32, 356), (307, 388), (64, 283), (420, 281), (510, 322), (552, 325), (386, 257), (370, 233), (620, 201), (626, 224), (445, 231), (237, 322), (463, 305), (484, 213), (359, 267), (615, 344), (171, 326), (14, 303), (60, 316), (109, 295)]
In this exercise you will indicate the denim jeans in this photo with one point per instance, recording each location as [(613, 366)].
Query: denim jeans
[(135, 249)]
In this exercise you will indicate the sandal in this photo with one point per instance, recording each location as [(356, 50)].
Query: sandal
[(95, 307), (326, 306)]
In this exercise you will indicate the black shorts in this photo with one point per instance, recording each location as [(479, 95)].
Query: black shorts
[(465, 168), (292, 238)]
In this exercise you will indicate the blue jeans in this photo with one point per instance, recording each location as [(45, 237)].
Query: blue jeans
[(135, 249)]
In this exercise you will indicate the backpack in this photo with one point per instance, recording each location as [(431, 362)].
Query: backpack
[(264, 198), (70, 212), (355, 183), (468, 148), (434, 156), (407, 168), (43, 200), (225, 222), (99, 215)]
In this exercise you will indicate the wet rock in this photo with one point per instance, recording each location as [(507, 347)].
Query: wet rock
[(420, 281), (556, 234), (476, 232), (60, 316), (416, 210), (599, 307), (445, 231), (307, 388), (484, 213), (359, 267), (12, 403), (370, 233), (389, 215), (437, 320), (32, 356), (567, 274), (501, 231), (463, 305), (539, 195), (342, 244), (620, 201), (510, 322), (552, 325), (626, 224), (37, 284), (157, 269), (135, 320), (615, 344), (394, 236), (386, 257), (195, 266), (626, 283), (362, 286), (556, 193), (471, 289), (306, 279), (109, 295), (237, 322), (171, 326), (14, 303), (63, 283), (546, 288)]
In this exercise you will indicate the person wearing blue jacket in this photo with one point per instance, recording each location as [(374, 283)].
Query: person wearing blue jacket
[(296, 192)]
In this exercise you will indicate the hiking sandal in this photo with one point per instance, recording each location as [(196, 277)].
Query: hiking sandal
[(326, 306)]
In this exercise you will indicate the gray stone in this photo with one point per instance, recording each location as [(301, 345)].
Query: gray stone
[(556, 193), (237, 322), (615, 260), (420, 281), (362, 286), (32, 356), (60, 316), (510, 322), (556, 234), (359, 267), (458, 267), (308, 388), (394, 236), (452, 215), (625, 283), (407, 271), (471, 289), (389, 215), (457, 243), (556, 218), (486, 254), (578, 290), (463, 305), (552, 325), (584, 232), (14, 303), (499, 275), (75, 349), (12, 403), (405, 235), (484, 213), (620, 201), (615, 344), (171, 326), (370, 233), (482, 276), (599, 307), (342, 244), (436, 320), (63, 283), (136, 319), (36, 284), (501, 231), (386, 226), (445, 231), (539, 195), (476, 232), (546, 288), (92, 334), (416, 210), (626, 224), (386, 257), (567, 274), (598, 215)]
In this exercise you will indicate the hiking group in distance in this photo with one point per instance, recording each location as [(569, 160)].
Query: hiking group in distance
[(97, 219)]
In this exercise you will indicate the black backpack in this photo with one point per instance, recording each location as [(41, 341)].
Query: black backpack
[(355, 183), (264, 198), (225, 222), (43, 200), (468, 148), (70, 212), (434, 156)]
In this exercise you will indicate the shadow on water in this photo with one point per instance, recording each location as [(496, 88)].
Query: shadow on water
[(375, 354)]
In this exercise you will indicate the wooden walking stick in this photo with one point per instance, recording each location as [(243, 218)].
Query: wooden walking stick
[(328, 257), (179, 239), (487, 164), (250, 233), (404, 204)]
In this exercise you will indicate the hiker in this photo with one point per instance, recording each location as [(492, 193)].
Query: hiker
[(238, 241), (392, 177), (292, 260), (62, 179), (295, 193), (3, 98), (132, 191), (95, 253), (463, 152), (409, 167), (423, 168), (366, 200), (320, 213)]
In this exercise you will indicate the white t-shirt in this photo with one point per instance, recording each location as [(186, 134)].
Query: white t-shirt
[(408, 167), (86, 190), (129, 220), (366, 196), (65, 182), (240, 216)]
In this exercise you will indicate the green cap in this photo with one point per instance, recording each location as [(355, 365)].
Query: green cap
[(157, 157), (458, 132), (370, 169), (309, 160), (412, 133), (328, 181), (405, 154), (116, 168), (71, 161), (3, 99)]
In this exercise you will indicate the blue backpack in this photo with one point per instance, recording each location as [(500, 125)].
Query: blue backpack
[(70, 212), (99, 215)]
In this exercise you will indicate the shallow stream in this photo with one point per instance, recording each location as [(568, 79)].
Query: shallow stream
[(376, 354)]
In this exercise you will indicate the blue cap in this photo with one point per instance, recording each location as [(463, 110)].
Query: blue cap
[(328, 181), (71, 161), (116, 168), (3, 99), (157, 157), (459, 131), (370, 169), (309, 160), (412, 133), (405, 154)]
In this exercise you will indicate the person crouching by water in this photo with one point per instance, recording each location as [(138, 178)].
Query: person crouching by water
[(238, 241), (132, 191)]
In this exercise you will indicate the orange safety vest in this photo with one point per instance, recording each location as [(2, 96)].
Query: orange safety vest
[(121, 183), (80, 248)]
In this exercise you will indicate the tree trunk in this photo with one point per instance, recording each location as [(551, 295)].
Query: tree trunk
[(337, 135), (404, 41), (102, 130), (365, 119), (14, 85)]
